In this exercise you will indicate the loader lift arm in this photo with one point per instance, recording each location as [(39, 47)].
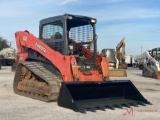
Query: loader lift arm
[(27, 40)]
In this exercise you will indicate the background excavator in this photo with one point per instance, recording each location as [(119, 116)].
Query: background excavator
[(59, 66), (117, 65), (151, 63), (120, 54)]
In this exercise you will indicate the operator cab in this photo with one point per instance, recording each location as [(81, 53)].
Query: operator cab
[(156, 54), (68, 34)]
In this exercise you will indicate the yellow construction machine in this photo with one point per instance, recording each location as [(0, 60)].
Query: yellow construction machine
[(117, 63), (120, 54)]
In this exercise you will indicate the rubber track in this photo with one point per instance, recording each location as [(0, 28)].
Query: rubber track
[(52, 80)]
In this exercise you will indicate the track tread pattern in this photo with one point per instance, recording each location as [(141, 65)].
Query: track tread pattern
[(42, 73)]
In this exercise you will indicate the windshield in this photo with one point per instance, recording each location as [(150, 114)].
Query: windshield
[(158, 55), (82, 31)]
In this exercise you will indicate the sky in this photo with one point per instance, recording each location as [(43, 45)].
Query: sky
[(136, 20)]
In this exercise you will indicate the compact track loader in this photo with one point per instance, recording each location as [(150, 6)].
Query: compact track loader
[(151, 63), (60, 65)]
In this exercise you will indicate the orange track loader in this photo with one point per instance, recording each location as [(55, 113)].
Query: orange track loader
[(61, 66)]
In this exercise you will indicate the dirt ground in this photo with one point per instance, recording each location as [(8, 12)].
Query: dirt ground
[(15, 107)]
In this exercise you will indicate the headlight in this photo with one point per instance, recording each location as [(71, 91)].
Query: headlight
[(93, 21), (70, 17)]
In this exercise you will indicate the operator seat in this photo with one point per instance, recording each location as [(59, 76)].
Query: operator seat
[(52, 37), (57, 35)]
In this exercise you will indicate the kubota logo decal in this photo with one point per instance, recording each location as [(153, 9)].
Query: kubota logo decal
[(40, 47)]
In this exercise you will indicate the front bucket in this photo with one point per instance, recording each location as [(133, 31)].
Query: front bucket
[(117, 73), (93, 95)]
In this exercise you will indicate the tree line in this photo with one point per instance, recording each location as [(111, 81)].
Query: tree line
[(3, 43)]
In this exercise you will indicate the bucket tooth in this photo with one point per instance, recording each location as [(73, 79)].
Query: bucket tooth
[(103, 108), (83, 110), (141, 103), (128, 105), (93, 109), (135, 104), (111, 107), (120, 106), (149, 103)]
